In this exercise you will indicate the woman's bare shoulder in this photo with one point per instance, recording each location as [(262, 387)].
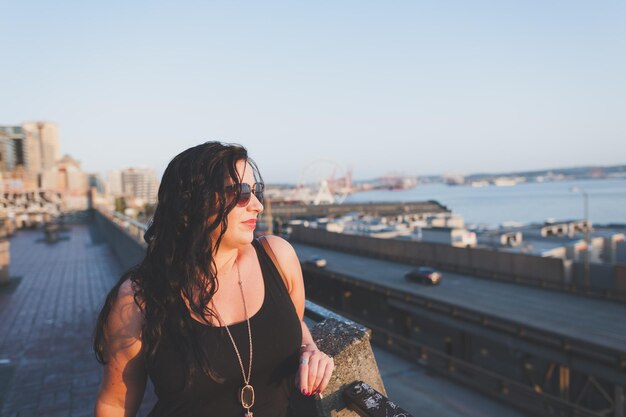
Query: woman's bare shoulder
[(282, 249), (288, 262), (124, 377), (126, 318)]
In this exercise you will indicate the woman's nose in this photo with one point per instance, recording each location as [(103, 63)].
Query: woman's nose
[(255, 204)]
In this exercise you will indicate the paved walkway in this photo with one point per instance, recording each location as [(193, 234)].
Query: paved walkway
[(47, 315), (47, 366)]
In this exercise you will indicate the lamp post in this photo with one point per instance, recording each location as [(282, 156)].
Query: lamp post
[(587, 243)]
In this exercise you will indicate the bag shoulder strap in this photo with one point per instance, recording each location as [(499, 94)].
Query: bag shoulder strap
[(270, 253)]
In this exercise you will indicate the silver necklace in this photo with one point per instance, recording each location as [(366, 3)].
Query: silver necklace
[(246, 395)]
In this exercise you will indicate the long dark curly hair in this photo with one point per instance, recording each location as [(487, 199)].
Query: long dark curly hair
[(179, 264)]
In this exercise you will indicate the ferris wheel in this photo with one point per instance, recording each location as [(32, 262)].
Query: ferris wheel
[(323, 182)]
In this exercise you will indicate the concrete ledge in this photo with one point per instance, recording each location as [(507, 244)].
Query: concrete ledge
[(349, 345), (128, 250)]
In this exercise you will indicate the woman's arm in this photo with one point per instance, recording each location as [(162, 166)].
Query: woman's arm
[(124, 375), (307, 339), (315, 367)]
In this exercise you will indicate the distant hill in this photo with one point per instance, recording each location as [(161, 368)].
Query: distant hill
[(587, 172)]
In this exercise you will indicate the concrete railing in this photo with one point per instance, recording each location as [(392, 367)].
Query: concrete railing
[(124, 236), (356, 383)]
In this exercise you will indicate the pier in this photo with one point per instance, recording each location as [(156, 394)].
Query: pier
[(292, 211)]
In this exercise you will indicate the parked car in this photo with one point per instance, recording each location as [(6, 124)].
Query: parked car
[(424, 275), (316, 261)]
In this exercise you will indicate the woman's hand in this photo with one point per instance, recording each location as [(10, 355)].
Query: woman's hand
[(314, 371)]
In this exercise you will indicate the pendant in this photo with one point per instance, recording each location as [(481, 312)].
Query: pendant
[(247, 398), (248, 414)]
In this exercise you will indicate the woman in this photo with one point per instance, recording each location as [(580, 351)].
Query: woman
[(207, 315)]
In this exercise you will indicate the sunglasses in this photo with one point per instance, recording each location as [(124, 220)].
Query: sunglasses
[(245, 192)]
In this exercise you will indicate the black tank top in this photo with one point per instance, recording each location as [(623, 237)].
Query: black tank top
[(276, 340)]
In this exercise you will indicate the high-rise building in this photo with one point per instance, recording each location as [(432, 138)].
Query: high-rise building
[(8, 137), (41, 147), (12, 161), (140, 183)]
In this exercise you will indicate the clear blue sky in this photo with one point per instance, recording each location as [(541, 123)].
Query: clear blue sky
[(407, 87)]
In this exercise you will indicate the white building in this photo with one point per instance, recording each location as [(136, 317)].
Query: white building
[(456, 237), (140, 183)]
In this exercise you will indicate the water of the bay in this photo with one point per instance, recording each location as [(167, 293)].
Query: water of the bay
[(531, 202)]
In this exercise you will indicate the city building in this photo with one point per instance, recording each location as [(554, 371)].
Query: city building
[(9, 137), (459, 237), (65, 176), (564, 240), (27, 151), (140, 183), (41, 147), (35, 182)]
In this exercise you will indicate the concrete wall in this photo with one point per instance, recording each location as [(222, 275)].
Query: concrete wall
[(606, 281), (619, 277), (482, 262), (620, 252), (600, 275), (128, 250)]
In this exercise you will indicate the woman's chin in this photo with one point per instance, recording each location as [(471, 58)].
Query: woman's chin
[(242, 240)]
